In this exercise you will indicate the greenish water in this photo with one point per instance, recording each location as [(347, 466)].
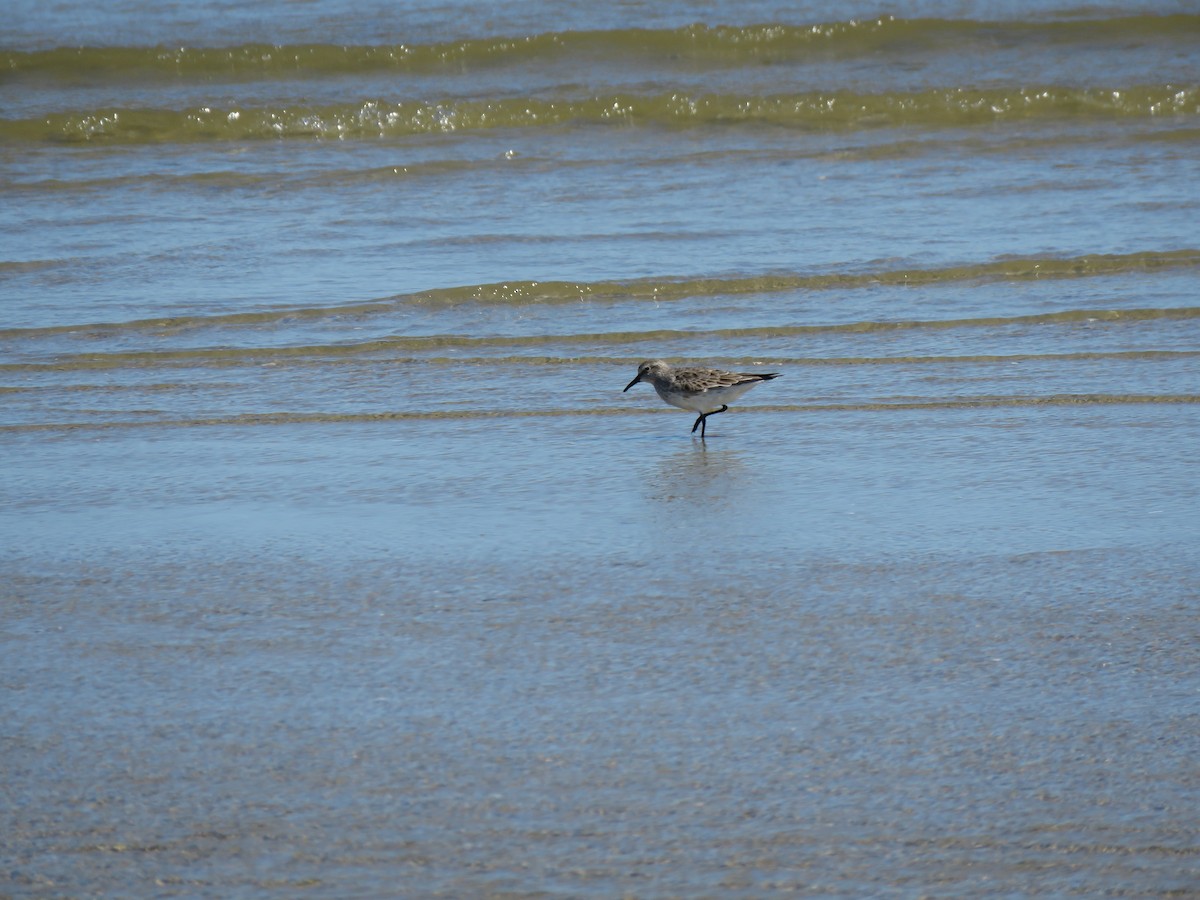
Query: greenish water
[(336, 563)]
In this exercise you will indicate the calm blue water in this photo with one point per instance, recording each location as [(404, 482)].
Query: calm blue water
[(336, 563)]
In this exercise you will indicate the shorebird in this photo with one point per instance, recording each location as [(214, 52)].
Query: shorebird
[(702, 390)]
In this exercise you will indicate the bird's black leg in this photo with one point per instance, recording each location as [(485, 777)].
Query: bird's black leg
[(703, 416), (697, 423)]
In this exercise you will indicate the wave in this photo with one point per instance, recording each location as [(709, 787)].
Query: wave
[(834, 110), (526, 361), (402, 344), (704, 44), (661, 290), (326, 418)]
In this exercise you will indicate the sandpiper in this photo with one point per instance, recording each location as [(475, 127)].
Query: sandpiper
[(702, 390)]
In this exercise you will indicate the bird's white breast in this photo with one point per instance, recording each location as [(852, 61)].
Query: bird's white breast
[(704, 401)]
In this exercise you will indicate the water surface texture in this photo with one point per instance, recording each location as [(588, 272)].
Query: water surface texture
[(335, 563)]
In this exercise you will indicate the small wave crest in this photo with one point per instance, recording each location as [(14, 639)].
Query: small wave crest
[(838, 110), (715, 45), (530, 293)]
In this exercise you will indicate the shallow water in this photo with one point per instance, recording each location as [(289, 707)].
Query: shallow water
[(336, 563)]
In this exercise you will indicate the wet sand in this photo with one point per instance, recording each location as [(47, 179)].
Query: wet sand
[(902, 654)]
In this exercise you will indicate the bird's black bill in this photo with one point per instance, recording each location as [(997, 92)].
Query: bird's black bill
[(632, 383)]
